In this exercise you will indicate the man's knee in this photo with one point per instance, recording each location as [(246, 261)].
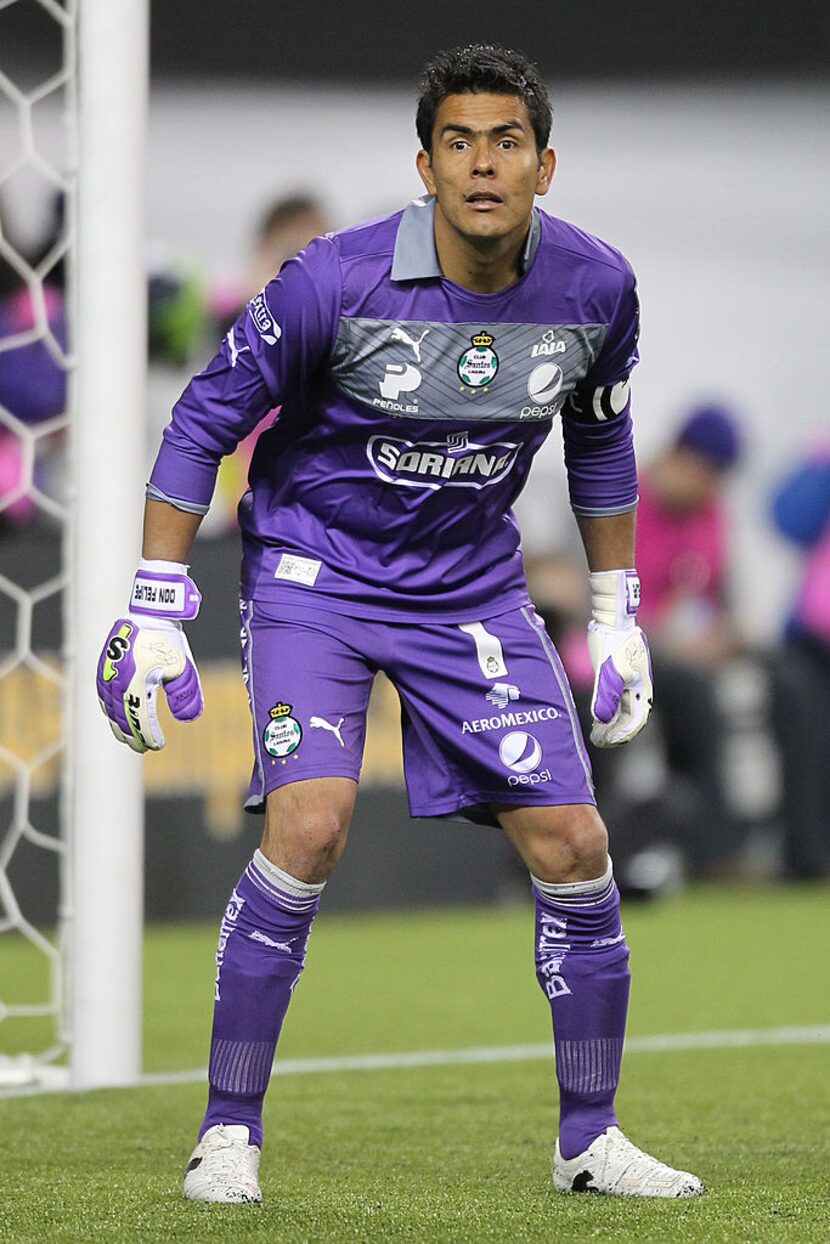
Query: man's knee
[(558, 844), (586, 834), (306, 825)]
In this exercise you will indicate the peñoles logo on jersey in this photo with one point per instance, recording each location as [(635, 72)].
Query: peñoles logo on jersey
[(455, 462)]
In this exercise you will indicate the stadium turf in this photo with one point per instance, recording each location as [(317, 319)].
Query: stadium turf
[(458, 1153)]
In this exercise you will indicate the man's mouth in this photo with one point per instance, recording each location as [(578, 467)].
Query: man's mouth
[(483, 199)]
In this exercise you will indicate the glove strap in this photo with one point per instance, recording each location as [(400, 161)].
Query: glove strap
[(615, 597), (163, 589)]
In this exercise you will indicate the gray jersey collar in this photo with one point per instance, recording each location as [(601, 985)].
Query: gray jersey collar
[(415, 256)]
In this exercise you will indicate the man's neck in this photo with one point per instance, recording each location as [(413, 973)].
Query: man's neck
[(481, 265)]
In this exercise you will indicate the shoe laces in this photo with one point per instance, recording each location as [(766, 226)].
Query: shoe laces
[(225, 1152), (636, 1163)]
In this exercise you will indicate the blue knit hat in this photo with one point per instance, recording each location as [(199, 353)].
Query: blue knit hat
[(712, 431)]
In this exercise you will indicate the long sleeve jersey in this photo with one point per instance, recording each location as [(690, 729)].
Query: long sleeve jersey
[(410, 409)]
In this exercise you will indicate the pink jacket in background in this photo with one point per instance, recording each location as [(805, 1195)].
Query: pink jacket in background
[(681, 559)]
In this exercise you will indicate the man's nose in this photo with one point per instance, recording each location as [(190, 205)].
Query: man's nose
[(483, 160)]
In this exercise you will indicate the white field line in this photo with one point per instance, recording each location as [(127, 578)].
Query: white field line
[(731, 1038), (663, 1042)]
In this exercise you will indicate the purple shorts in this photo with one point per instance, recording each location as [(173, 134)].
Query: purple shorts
[(487, 714)]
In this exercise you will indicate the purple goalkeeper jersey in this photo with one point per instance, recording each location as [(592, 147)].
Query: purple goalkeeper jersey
[(410, 409)]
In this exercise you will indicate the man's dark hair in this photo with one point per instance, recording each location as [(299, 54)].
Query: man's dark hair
[(482, 68)]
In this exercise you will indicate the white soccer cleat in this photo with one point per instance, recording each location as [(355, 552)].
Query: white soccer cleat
[(224, 1167), (615, 1167)]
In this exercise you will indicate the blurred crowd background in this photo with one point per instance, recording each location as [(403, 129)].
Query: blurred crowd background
[(695, 140)]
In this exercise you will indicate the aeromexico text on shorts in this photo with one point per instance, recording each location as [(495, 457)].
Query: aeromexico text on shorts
[(503, 721)]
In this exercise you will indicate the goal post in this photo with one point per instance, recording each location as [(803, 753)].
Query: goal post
[(105, 859)]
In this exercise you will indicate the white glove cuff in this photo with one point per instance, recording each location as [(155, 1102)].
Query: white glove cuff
[(163, 589), (156, 565), (615, 597)]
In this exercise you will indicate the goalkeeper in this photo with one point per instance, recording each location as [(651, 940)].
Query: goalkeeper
[(418, 362)]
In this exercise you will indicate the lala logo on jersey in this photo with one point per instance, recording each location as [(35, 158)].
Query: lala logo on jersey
[(478, 365), (267, 327), (456, 462), (548, 345)]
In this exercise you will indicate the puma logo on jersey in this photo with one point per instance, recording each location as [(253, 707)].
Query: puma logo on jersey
[(400, 334), (256, 936), (320, 723), (234, 349)]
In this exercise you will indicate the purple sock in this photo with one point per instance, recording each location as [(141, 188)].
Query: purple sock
[(261, 951), (582, 966)]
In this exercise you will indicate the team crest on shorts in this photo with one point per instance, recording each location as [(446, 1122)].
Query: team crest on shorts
[(283, 734), (478, 365)]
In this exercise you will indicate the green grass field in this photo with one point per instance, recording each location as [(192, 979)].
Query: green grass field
[(455, 1153)]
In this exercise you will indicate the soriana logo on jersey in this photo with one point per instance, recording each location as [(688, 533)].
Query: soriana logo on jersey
[(455, 462)]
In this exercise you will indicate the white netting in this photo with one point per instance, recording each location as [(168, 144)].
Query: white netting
[(38, 128)]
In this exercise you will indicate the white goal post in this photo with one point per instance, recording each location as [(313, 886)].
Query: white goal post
[(106, 844), (80, 128)]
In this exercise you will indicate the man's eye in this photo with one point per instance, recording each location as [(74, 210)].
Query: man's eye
[(458, 145)]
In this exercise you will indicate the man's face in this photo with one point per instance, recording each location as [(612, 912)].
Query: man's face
[(484, 168), (689, 479)]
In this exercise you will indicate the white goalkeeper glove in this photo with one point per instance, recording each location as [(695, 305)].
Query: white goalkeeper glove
[(623, 692), (148, 649)]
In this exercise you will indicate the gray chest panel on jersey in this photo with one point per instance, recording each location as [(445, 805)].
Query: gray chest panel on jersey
[(422, 370)]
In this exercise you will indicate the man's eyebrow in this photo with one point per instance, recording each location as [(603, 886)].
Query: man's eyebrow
[(456, 128)]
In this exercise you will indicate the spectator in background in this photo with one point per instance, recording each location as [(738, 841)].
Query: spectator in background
[(177, 310), (179, 327), (682, 557), (286, 226), (682, 537), (801, 512)]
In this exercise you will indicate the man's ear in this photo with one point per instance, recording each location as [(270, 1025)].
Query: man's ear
[(547, 166), (423, 163)]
